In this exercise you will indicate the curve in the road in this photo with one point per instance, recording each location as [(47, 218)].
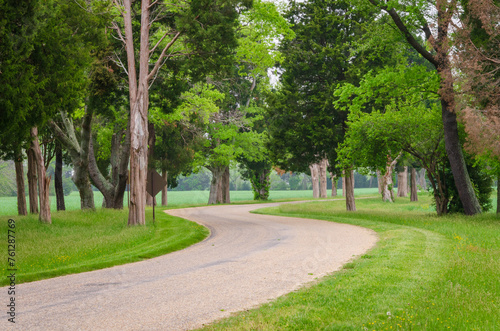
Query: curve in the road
[(247, 260)]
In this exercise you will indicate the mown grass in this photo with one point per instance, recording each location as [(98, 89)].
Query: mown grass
[(425, 273), (78, 241), (8, 205)]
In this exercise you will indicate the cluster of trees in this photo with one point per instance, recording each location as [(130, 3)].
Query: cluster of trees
[(373, 85), (115, 88)]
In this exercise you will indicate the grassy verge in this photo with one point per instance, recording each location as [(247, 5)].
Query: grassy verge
[(82, 241), (426, 273), (176, 199)]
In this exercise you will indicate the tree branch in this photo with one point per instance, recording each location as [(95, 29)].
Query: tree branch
[(162, 55), (407, 34)]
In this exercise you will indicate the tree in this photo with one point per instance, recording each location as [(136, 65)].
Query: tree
[(441, 15), (203, 26), (477, 40), (305, 125)]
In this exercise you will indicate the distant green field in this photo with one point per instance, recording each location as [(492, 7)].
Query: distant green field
[(8, 205)]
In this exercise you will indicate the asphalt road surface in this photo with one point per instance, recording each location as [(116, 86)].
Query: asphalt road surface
[(247, 260)]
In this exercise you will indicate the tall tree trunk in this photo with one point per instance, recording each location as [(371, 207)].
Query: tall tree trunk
[(32, 181), (314, 177), (498, 194), (58, 183), (350, 202), (151, 147), (164, 190), (343, 184), (215, 184), (139, 104), (21, 193), (226, 198), (454, 150), (43, 180), (334, 184), (380, 182), (413, 185), (403, 183), (322, 178), (421, 179)]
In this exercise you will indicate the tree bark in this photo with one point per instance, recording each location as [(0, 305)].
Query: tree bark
[(380, 182), (217, 173), (226, 198), (21, 193), (43, 180), (322, 178), (58, 183), (350, 202), (334, 184), (498, 194), (164, 190), (79, 153), (403, 183), (343, 184), (151, 147), (457, 162), (421, 179), (413, 185), (314, 177), (32, 181), (387, 182)]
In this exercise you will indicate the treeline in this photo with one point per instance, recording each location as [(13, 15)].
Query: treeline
[(117, 89)]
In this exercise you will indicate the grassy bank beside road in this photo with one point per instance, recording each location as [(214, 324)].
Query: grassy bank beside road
[(8, 205), (426, 273), (82, 241)]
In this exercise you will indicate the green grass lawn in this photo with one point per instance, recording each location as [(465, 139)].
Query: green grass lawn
[(79, 241), (8, 205), (425, 273)]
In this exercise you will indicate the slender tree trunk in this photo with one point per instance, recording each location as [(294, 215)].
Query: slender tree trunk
[(413, 185), (32, 181), (322, 178), (457, 162), (421, 179), (314, 177), (343, 184), (164, 191), (498, 194), (43, 180), (58, 178), (349, 189), (387, 192), (139, 104), (226, 198), (151, 146), (403, 183), (380, 182), (21, 193), (334, 184), (217, 173)]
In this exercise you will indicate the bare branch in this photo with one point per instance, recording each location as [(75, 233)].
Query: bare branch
[(162, 55)]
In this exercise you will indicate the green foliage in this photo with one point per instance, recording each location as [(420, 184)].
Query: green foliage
[(482, 182), (304, 125)]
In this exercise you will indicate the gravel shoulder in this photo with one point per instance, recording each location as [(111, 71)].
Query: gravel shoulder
[(247, 260)]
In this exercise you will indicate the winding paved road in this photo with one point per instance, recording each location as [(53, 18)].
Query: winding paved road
[(247, 260)]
